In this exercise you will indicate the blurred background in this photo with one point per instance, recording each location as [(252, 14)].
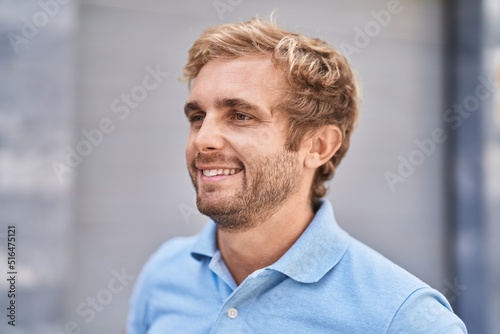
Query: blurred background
[(92, 135)]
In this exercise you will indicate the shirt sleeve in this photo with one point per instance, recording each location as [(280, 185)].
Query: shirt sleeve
[(426, 311)]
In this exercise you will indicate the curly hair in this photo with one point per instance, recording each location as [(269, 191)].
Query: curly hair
[(320, 85)]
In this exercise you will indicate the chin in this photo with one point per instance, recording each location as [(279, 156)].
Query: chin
[(211, 203)]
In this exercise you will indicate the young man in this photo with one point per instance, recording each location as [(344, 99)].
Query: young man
[(271, 113)]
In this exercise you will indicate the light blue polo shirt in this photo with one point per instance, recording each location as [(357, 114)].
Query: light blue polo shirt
[(327, 282)]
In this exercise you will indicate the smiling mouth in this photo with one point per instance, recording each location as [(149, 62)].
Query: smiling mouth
[(216, 172)]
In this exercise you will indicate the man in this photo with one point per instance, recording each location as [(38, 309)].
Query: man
[(271, 113)]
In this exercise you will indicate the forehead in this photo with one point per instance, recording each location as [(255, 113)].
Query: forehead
[(251, 78)]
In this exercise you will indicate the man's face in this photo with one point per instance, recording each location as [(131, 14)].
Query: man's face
[(235, 150)]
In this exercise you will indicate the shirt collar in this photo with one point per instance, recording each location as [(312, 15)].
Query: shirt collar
[(318, 249), (206, 244)]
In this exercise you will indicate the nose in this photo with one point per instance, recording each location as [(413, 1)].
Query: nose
[(209, 136)]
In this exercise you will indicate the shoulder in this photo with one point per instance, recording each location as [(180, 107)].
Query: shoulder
[(369, 267), (170, 259), (171, 254), (426, 311), (399, 299), (174, 250), (159, 268)]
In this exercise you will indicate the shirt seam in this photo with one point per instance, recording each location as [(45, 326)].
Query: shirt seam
[(389, 323)]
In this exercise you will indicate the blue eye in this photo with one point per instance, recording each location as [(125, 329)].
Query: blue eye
[(241, 117)]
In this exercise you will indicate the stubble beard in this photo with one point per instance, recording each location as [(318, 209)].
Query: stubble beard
[(274, 179)]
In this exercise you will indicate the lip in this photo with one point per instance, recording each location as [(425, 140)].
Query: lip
[(202, 167), (216, 178)]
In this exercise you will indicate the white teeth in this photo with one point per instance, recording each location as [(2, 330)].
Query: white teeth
[(214, 172)]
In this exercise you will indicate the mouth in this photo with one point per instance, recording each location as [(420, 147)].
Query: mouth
[(220, 171), (217, 168)]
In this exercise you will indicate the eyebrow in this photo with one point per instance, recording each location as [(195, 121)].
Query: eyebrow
[(224, 103), (191, 106), (236, 103)]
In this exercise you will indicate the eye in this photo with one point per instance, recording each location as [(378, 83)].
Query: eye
[(196, 118), (241, 117)]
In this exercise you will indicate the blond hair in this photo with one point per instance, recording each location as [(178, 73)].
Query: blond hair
[(321, 87)]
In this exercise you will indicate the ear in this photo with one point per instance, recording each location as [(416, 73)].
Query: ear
[(324, 143)]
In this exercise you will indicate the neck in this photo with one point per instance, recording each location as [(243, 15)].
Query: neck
[(256, 248)]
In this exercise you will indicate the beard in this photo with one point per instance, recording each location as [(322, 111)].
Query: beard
[(273, 180)]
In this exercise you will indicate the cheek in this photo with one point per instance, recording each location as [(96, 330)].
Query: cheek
[(258, 145), (265, 139), (189, 151), (271, 138)]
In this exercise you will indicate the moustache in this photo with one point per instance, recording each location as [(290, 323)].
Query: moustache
[(216, 158)]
